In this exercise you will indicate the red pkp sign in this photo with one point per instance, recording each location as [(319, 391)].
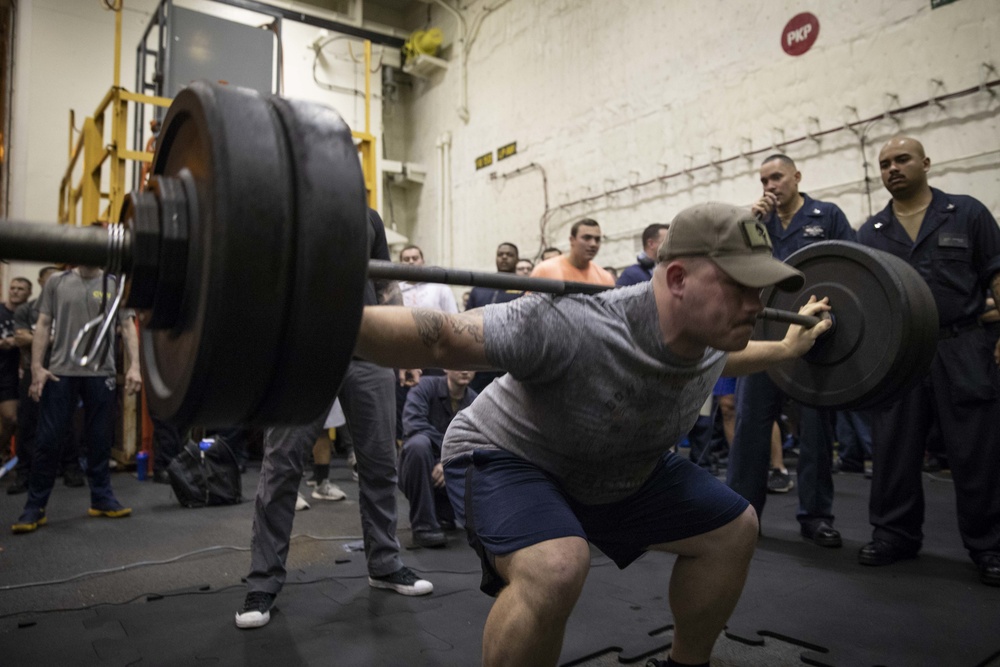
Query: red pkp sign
[(800, 34)]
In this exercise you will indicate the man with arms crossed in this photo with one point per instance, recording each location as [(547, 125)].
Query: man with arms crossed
[(567, 447)]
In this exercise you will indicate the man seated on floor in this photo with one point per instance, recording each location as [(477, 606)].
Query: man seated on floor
[(570, 446), (430, 407)]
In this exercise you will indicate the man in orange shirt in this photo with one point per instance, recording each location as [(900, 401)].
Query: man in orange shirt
[(578, 265)]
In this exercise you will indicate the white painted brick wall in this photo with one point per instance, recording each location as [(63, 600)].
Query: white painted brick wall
[(602, 94)]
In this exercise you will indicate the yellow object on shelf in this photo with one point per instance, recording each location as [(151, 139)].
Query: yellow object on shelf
[(423, 42)]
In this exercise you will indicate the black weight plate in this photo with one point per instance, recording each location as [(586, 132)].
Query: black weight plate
[(172, 274), (325, 302), (922, 334), (884, 319), (225, 145)]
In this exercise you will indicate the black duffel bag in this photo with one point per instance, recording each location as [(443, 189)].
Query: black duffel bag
[(209, 476)]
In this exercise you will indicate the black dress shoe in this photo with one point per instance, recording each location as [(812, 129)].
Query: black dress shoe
[(429, 539), (880, 552), (823, 534), (989, 569)]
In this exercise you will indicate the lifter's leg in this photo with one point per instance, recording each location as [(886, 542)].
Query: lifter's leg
[(706, 583), (528, 620)]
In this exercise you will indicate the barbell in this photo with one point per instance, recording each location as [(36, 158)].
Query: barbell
[(248, 259)]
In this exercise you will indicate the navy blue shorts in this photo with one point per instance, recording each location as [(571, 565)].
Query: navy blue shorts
[(511, 504)]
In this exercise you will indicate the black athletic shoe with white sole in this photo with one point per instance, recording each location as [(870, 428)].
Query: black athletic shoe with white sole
[(404, 581), (256, 610)]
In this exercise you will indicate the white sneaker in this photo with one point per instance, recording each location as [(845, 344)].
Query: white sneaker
[(352, 463), (328, 491), (301, 503)]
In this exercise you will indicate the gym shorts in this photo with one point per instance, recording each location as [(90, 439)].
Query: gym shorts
[(511, 504)]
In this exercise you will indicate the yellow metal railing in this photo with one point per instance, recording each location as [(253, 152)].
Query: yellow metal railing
[(80, 200)]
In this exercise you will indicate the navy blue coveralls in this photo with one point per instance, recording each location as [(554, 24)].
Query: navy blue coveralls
[(640, 272), (426, 416), (957, 252), (759, 400)]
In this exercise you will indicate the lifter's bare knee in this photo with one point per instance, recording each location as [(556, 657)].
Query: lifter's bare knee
[(549, 574), (743, 531)]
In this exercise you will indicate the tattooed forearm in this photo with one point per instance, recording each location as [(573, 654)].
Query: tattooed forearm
[(388, 293), (463, 325), (429, 325)]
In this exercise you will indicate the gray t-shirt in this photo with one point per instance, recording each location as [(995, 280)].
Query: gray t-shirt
[(592, 394), (72, 301)]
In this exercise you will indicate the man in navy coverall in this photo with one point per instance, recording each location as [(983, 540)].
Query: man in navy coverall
[(794, 220), (954, 243)]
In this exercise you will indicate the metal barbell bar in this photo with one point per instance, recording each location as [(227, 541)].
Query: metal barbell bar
[(92, 246)]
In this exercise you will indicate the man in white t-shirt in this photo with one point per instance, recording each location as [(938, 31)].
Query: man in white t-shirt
[(424, 295)]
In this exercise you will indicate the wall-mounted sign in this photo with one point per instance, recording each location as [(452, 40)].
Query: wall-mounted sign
[(484, 160), (506, 151), (800, 34)]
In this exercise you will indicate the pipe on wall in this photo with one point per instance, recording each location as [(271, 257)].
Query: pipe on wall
[(444, 203)]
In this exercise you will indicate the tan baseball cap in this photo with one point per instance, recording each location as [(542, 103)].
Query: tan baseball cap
[(732, 238)]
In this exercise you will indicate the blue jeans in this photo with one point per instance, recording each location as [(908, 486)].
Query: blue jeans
[(55, 418)]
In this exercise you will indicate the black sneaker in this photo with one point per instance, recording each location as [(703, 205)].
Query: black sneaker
[(779, 482), (404, 581), (989, 569), (256, 610)]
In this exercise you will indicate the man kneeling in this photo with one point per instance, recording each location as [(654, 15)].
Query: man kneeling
[(430, 407)]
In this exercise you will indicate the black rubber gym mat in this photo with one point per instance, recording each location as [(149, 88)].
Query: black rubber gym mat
[(802, 603)]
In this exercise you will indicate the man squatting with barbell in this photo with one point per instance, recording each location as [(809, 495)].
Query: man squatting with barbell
[(566, 448)]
